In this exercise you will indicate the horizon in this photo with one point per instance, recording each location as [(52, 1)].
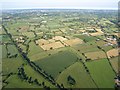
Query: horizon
[(59, 4)]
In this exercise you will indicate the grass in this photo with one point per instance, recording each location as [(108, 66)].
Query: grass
[(15, 82), (4, 38), (29, 34), (57, 63), (11, 64), (31, 73), (114, 62), (85, 37), (107, 48), (83, 48), (34, 50), (102, 73), (4, 51), (12, 49), (78, 72)]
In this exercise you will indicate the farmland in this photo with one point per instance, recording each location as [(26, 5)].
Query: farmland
[(60, 60), (102, 70), (52, 48)]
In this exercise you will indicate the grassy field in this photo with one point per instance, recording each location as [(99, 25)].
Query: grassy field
[(15, 82), (33, 50), (57, 63), (102, 73), (30, 72), (29, 34), (114, 62), (4, 51), (85, 37), (107, 48), (12, 49), (87, 47), (11, 64), (77, 71), (4, 38)]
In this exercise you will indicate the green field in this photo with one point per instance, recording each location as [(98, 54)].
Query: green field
[(35, 75), (15, 82), (11, 64), (4, 51), (85, 38), (12, 50), (57, 63), (87, 47), (78, 72), (34, 50), (114, 62), (102, 73)]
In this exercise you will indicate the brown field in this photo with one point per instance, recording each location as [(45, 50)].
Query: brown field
[(51, 40), (112, 41), (60, 38), (23, 28), (95, 55), (99, 32), (112, 53), (117, 34), (73, 41), (51, 46), (42, 42)]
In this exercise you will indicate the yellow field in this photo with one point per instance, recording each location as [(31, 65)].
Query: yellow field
[(73, 41), (99, 32), (95, 55), (42, 42), (52, 46)]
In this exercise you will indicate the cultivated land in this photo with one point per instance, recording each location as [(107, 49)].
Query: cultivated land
[(55, 48)]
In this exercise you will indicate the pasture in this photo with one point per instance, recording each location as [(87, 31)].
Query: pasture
[(115, 63), (102, 73), (35, 75), (78, 72), (56, 63), (15, 82)]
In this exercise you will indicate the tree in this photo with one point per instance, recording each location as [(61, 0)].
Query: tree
[(71, 80)]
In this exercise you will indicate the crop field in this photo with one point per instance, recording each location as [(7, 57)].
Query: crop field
[(73, 41), (112, 53), (95, 55), (28, 34), (101, 72), (115, 64), (107, 48), (85, 38), (86, 48), (54, 45), (57, 63), (78, 72)]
